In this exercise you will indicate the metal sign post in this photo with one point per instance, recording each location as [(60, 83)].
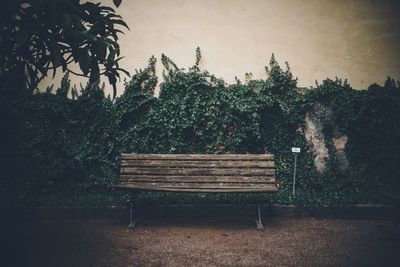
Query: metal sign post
[(295, 151)]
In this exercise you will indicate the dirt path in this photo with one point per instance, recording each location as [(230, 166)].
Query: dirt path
[(203, 242)]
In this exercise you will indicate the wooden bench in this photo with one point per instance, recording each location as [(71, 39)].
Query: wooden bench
[(213, 173)]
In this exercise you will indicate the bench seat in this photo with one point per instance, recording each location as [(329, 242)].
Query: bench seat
[(198, 172)]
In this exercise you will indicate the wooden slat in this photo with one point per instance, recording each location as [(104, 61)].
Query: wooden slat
[(199, 156), (197, 164), (198, 185), (196, 171), (128, 188), (266, 188), (189, 179)]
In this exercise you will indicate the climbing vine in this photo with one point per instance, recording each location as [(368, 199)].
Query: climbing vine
[(62, 146)]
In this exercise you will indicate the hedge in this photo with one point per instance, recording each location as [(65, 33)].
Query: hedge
[(62, 147)]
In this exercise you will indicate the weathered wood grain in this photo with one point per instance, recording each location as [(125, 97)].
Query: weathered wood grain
[(266, 188), (197, 164), (188, 179), (199, 156), (196, 171)]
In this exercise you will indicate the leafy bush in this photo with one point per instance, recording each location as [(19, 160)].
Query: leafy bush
[(63, 148)]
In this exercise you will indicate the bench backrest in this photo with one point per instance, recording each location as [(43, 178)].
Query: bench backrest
[(198, 172)]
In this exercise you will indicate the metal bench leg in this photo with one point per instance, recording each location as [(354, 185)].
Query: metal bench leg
[(259, 224), (132, 221)]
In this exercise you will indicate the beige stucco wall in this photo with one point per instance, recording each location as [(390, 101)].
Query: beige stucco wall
[(354, 39)]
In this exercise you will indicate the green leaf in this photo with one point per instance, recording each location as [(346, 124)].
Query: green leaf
[(21, 37), (117, 3), (101, 50), (124, 71), (120, 22), (95, 72), (111, 56), (84, 60)]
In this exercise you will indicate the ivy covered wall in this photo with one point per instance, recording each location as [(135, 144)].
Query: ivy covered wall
[(60, 150)]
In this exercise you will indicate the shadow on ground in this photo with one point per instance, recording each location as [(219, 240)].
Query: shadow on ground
[(202, 242)]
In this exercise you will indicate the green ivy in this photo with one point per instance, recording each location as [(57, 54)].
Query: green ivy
[(63, 148)]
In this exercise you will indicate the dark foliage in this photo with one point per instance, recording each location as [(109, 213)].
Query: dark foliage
[(40, 36), (57, 150)]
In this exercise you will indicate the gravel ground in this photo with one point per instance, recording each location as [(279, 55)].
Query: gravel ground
[(202, 242)]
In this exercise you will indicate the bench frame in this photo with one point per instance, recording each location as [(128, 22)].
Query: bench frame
[(229, 173)]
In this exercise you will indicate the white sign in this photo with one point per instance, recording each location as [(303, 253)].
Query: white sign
[(296, 149)]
